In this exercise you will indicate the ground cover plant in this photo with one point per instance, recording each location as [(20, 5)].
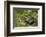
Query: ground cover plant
[(23, 17)]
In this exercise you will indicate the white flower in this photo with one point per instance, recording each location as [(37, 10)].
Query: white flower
[(29, 11)]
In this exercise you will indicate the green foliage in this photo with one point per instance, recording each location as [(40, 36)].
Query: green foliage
[(26, 17)]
